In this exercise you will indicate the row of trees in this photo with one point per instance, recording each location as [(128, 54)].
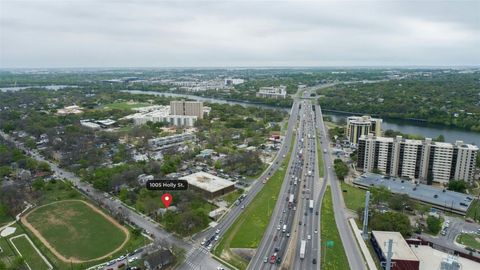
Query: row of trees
[(428, 98)]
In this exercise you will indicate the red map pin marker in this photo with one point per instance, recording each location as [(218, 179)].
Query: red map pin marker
[(167, 199)]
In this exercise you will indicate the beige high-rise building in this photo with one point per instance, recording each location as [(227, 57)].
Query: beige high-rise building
[(362, 125), (422, 160), (191, 108)]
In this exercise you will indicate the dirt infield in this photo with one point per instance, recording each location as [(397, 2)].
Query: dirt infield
[(73, 259)]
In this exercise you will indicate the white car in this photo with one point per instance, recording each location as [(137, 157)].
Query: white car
[(132, 259), (203, 241), (217, 231), (309, 237), (216, 237), (315, 231), (278, 228)]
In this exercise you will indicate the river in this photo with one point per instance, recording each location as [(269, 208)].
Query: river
[(404, 126), (48, 87)]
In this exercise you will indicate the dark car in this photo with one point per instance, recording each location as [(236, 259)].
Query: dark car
[(314, 261)]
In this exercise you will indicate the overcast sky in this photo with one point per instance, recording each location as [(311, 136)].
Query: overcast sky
[(99, 33)]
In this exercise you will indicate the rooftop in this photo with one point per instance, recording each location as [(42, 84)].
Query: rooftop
[(431, 258), (448, 199), (206, 181), (401, 250)]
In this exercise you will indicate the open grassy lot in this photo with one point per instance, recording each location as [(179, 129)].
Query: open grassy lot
[(354, 197), (7, 255), (335, 257), (29, 254), (474, 210), (75, 230), (469, 240), (247, 231), (231, 197), (125, 105)]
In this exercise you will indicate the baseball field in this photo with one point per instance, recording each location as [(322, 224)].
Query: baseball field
[(76, 231)]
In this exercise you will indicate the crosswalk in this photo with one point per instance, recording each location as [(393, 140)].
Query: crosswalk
[(192, 254)]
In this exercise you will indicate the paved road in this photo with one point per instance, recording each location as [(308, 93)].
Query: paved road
[(352, 250), (315, 189), (274, 237), (256, 187), (456, 227), (196, 260)]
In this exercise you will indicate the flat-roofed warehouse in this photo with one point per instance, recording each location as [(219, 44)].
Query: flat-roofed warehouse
[(403, 257), (210, 185)]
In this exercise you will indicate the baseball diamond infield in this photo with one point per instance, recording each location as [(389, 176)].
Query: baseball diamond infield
[(76, 231)]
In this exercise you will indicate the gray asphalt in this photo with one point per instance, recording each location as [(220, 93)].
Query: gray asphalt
[(196, 260), (352, 250), (273, 237)]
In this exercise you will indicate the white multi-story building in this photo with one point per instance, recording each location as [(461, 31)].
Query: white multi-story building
[(162, 114), (188, 108), (362, 125), (422, 160), (273, 92)]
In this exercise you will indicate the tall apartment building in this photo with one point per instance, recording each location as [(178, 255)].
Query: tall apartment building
[(416, 159), (362, 125), (272, 92), (190, 108)]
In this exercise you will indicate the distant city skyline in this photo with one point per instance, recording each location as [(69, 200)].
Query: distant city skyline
[(97, 34)]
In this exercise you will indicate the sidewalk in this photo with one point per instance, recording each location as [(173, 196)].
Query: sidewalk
[(366, 253)]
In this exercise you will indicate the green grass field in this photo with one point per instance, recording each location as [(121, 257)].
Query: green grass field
[(75, 230), (321, 167), (335, 257), (469, 240), (125, 105), (231, 197), (354, 197), (29, 254), (474, 210), (247, 231)]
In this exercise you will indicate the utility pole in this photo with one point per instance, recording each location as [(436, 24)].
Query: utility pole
[(365, 217), (388, 263)]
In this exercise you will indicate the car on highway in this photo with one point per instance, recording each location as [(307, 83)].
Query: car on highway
[(315, 231), (314, 261), (309, 237), (217, 231), (273, 258), (265, 260)]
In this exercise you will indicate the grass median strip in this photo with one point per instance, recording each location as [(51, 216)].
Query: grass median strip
[(321, 167), (247, 231), (333, 253)]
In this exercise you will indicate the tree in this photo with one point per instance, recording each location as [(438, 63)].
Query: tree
[(341, 169), (43, 166), (457, 185), (434, 225), (400, 202), (391, 221), (5, 171), (380, 194), (38, 184), (440, 138)]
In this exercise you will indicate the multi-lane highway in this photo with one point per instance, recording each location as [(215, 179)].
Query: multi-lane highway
[(208, 237), (307, 251), (350, 245)]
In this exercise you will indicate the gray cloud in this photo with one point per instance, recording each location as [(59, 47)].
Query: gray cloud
[(42, 33)]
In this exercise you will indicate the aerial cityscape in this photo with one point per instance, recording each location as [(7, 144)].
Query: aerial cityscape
[(239, 135)]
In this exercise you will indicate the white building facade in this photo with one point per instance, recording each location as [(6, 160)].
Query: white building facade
[(422, 160)]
